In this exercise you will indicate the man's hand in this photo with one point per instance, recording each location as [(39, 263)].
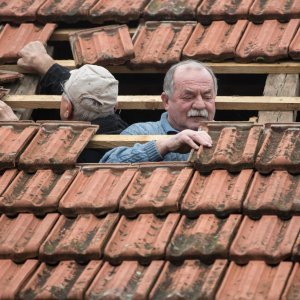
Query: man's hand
[(6, 113), (184, 141), (34, 57)]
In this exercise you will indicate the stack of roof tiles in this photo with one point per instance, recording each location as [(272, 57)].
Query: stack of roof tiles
[(224, 225), (207, 30)]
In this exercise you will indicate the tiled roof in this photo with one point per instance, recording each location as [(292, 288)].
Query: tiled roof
[(14, 37), (155, 230), (103, 45)]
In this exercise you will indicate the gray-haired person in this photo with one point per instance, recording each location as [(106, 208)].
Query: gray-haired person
[(190, 89)]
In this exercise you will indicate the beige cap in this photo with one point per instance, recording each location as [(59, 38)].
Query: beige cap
[(92, 82)]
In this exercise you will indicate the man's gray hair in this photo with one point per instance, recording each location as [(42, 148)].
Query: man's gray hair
[(169, 78)]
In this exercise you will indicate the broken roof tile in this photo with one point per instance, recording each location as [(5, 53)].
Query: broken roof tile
[(266, 42), (279, 150), (191, 280), (277, 193), (14, 38), (216, 42), (6, 178), (21, 237), (227, 10), (107, 45), (6, 76), (13, 276), (219, 192), (19, 11), (144, 238), (14, 136), (234, 147), (96, 190), (121, 11), (70, 11), (160, 43), (57, 145), (155, 190), (80, 239), (270, 239), (37, 193), (206, 237), (254, 280), (129, 280), (282, 10), (292, 289), (294, 49), (68, 280), (171, 10)]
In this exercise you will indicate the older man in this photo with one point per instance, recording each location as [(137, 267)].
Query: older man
[(190, 89), (88, 93)]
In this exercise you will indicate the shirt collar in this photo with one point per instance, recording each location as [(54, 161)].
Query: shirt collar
[(166, 125)]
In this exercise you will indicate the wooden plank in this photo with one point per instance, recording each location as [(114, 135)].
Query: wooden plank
[(154, 102), (106, 141), (280, 85), (218, 68)]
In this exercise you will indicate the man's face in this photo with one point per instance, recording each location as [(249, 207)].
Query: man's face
[(65, 109), (193, 99)]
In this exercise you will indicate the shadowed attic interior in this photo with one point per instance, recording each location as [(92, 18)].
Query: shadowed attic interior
[(224, 225)]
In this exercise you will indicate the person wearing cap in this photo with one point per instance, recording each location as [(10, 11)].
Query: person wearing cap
[(190, 89), (88, 93)]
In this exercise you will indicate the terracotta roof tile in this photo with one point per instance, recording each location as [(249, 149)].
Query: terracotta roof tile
[(226, 10), (282, 10), (126, 281), (266, 42), (56, 145), (70, 11), (215, 42), (206, 237), (67, 280), (19, 11), (292, 290), (171, 10), (14, 38), (160, 43), (279, 150), (157, 190), (14, 136), (191, 280), (102, 45), (6, 178), (21, 237), (220, 192), (256, 280), (277, 193), (82, 238), (12, 276), (6, 77), (234, 147), (270, 239), (37, 193), (294, 49), (296, 250), (96, 190), (117, 10), (144, 238)]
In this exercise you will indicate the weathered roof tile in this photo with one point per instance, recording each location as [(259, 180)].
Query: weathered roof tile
[(292, 289), (219, 192)]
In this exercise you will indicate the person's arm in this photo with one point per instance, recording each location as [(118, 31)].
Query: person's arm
[(6, 113)]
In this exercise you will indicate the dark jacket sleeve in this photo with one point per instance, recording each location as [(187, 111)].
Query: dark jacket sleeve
[(51, 82)]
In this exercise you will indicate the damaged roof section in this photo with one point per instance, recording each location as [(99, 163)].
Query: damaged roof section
[(107, 45)]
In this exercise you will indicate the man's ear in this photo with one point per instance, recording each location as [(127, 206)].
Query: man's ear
[(165, 99)]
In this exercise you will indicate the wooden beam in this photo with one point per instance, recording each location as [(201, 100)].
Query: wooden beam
[(280, 85), (218, 68), (106, 141), (154, 102)]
